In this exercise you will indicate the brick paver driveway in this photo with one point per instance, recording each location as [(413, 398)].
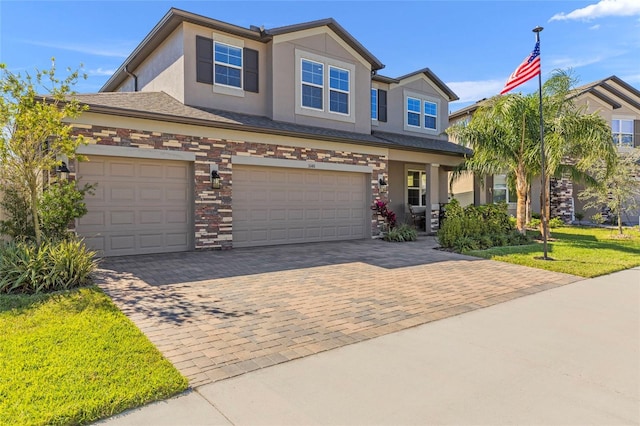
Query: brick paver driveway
[(223, 313)]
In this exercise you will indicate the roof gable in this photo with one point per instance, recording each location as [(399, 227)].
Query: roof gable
[(427, 75)]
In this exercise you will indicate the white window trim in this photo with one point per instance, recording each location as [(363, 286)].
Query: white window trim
[(625, 118), (407, 112), (224, 89), (420, 189), (303, 83), (330, 89), (510, 202), (422, 98), (325, 113), (429, 115)]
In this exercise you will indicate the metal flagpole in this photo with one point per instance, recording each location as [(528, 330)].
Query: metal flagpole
[(543, 193)]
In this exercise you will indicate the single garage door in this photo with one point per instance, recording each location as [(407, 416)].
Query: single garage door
[(140, 206), (275, 205)]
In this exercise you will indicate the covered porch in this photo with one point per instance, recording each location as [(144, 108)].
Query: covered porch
[(418, 187)]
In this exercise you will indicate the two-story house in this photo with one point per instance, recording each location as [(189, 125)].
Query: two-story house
[(615, 100), (211, 135)]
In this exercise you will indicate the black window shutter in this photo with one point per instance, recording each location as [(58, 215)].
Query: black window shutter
[(250, 62), (636, 133), (204, 60), (382, 105)]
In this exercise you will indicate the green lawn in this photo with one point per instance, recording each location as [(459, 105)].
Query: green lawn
[(72, 357), (582, 251)]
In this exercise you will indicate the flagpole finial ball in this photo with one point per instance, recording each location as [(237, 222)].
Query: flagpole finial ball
[(537, 29)]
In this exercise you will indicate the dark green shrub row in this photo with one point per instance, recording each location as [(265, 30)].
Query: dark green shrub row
[(28, 268), (478, 227), (401, 233)]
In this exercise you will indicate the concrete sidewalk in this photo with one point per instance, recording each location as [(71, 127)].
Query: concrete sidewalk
[(564, 356)]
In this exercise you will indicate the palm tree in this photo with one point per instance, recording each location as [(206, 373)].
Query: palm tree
[(504, 135)]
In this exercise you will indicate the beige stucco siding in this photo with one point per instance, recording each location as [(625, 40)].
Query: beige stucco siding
[(418, 87), (326, 48), (219, 97)]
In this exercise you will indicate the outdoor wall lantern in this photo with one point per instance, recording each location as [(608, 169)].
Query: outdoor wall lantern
[(382, 184), (62, 171), (214, 176)]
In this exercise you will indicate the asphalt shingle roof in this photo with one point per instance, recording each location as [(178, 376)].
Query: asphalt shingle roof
[(159, 105)]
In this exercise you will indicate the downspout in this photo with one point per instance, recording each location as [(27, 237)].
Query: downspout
[(132, 75)]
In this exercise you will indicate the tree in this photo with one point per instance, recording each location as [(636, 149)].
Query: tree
[(618, 188), (33, 135), (505, 137)]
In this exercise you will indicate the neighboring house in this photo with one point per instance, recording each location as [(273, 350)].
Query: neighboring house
[(616, 101), (296, 126)]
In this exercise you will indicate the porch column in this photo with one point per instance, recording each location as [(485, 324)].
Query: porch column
[(433, 196)]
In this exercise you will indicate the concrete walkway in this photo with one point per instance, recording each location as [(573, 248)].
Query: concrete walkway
[(568, 356)]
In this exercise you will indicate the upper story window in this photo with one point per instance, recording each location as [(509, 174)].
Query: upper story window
[(324, 87), (312, 84), (338, 90), (622, 131), (421, 113), (413, 112), (228, 65), (430, 115), (374, 104)]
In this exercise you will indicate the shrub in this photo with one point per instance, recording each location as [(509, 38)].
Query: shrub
[(59, 205), (474, 227), (515, 238), (401, 233), (534, 223), (535, 216), (28, 268), (598, 218), (465, 244), (555, 222), (389, 216), (579, 216)]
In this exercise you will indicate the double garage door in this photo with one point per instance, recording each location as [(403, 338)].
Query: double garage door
[(140, 205), (143, 206), (276, 205)]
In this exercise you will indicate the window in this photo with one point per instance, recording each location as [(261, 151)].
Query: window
[(430, 115), (338, 90), (413, 112), (421, 113), (228, 65), (374, 104), (622, 131), (501, 191), (312, 84), (416, 188)]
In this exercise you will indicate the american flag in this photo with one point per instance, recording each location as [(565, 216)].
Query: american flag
[(528, 69)]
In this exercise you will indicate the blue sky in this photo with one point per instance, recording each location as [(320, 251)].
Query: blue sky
[(472, 46)]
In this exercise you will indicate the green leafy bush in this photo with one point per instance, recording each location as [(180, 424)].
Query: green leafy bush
[(556, 222), (59, 205), (401, 233), (475, 227), (534, 223), (598, 218), (28, 268)]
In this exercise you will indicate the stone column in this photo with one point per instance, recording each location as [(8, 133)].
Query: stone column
[(433, 206)]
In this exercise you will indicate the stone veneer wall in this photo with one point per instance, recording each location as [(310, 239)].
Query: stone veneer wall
[(561, 199), (213, 208)]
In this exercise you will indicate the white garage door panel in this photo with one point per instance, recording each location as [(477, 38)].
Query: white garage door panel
[(283, 206), (139, 206)]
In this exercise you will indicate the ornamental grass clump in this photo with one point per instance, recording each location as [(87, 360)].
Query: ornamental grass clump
[(26, 267)]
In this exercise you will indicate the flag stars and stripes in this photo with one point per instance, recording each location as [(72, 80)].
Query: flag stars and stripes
[(528, 69)]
